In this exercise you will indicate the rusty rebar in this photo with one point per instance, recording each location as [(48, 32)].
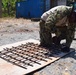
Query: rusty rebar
[(26, 55)]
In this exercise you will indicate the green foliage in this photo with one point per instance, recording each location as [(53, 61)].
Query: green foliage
[(8, 7)]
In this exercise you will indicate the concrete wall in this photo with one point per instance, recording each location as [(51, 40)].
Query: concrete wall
[(58, 2), (53, 3), (61, 2)]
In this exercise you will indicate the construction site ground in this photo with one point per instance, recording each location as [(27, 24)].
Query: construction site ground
[(14, 30)]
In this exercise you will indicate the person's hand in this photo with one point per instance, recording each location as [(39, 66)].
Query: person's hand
[(65, 48), (54, 29), (56, 40)]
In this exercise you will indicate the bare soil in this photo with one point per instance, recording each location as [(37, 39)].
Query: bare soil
[(14, 30)]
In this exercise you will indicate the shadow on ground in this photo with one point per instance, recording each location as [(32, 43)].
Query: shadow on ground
[(71, 55)]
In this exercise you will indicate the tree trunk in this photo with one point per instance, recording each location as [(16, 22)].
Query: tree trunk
[(0, 8)]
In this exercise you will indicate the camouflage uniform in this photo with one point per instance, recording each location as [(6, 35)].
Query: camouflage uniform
[(64, 31)]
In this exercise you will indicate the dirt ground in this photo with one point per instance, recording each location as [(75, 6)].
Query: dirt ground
[(14, 30)]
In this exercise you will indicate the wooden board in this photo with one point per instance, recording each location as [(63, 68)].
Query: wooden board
[(7, 68)]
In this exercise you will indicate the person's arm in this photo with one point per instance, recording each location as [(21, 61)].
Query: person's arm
[(50, 22)]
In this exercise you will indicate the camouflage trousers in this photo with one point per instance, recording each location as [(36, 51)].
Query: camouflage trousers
[(45, 35), (66, 32)]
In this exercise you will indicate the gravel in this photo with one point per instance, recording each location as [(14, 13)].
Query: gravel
[(14, 30)]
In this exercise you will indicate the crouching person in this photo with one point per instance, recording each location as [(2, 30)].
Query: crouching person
[(57, 20)]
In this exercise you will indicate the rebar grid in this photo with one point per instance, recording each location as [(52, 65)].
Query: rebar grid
[(27, 54)]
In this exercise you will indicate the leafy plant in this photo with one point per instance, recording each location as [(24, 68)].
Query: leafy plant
[(8, 7)]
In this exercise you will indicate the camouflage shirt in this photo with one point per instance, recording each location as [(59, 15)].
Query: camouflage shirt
[(59, 13)]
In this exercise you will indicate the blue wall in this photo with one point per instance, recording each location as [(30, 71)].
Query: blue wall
[(31, 8)]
